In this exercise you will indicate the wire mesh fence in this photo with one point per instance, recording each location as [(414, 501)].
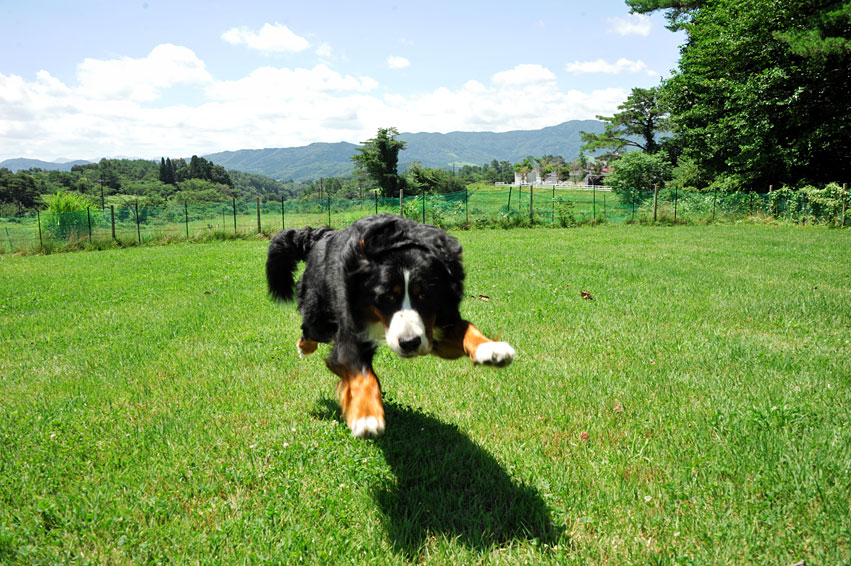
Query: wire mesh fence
[(494, 207)]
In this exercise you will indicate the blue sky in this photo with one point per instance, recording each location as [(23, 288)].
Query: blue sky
[(88, 79)]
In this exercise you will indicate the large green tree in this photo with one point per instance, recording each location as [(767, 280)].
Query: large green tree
[(763, 89), (640, 120), (379, 159)]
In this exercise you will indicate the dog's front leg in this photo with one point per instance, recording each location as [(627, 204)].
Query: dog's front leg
[(465, 339)]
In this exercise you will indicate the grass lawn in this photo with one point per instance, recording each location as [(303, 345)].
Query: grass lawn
[(696, 411)]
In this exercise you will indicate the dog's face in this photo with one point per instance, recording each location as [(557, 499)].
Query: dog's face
[(405, 298), (404, 280)]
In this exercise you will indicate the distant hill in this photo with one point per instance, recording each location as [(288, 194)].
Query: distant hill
[(430, 149), (15, 165)]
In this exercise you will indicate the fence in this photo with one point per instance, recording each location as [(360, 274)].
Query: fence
[(497, 207)]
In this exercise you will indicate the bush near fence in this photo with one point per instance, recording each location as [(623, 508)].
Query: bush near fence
[(492, 207)]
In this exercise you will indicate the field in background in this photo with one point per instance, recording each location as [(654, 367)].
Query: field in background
[(695, 411), (480, 206)]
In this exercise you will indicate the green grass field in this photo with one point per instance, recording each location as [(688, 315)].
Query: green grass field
[(153, 409)]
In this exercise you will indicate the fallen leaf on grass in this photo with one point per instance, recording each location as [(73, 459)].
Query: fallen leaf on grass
[(583, 435), (618, 408), (586, 295)]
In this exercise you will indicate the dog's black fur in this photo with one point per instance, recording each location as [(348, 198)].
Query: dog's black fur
[(358, 280)]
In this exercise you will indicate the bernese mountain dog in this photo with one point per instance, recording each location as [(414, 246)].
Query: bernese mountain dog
[(383, 279)]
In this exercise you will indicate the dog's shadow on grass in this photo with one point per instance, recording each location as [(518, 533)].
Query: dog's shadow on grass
[(447, 484)]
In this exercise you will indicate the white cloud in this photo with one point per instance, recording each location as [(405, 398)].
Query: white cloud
[(270, 38), (324, 50), (523, 75), (141, 79), (268, 107), (633, 24), (621, 66), (394, 62)]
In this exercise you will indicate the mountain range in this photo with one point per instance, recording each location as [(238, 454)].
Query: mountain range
[(430, 149)]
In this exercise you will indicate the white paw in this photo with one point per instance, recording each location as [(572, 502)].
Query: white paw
[(495, 354), (367, 427)]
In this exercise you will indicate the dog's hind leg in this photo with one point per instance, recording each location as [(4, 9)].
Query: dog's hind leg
[(359, 394), (358, 391)]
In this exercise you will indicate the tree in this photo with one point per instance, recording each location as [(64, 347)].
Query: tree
[(433, 180), (640, 120), (379, 159), (635, 174), (762, 93), (17, 190), (524, 168), (678, 12)]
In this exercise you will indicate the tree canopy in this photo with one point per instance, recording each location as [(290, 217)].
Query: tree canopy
[(763, 88), (379, 159), (640, 120)]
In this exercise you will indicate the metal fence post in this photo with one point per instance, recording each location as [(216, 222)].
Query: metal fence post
[(138, 228), (844, 194), (283, 219), (112, 215), (467, 204), (234, 214)]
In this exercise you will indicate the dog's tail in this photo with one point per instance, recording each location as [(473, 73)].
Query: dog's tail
[(287, 248)]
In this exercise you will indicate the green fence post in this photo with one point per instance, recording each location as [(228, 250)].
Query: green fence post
[(259, 227), (41, 240), (531, 205), (594, 201), (633, 205), (89, 215), (714, 201), (283, 219), (234, 214), (467, 204), (112, 216), (138, 227), (655, 200), (509, 199), (676, 201), (844, 194)]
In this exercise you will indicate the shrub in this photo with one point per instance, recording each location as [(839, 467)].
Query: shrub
[(68, 214)]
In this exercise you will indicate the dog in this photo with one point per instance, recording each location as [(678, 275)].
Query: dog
[(384, 279)]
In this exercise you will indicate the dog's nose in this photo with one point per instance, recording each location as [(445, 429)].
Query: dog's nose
[(410, 344)]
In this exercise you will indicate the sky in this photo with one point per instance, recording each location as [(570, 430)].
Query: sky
[(144, 79)]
